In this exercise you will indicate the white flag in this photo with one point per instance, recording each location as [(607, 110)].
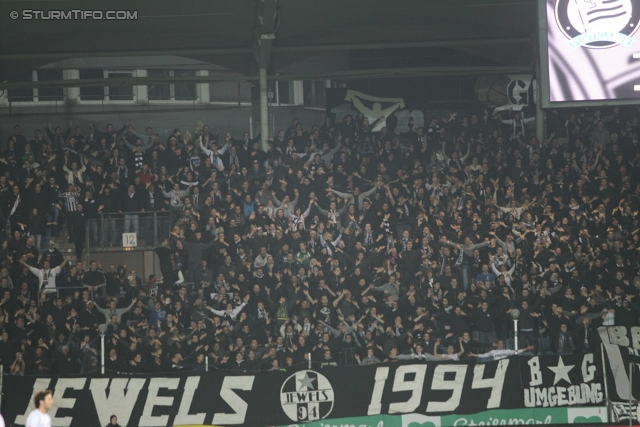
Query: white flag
[(604, 15)]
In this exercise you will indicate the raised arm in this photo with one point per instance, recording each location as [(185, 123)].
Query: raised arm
[(495, 270), (390, 196), (335, 149), (502, 244), (180, 278), (466, 156), (65, 262), (224, 149), (204, 149), (482, 245), (341, 194), (104, 311), (237, 310), (217, 312), (306, 213), (293, 203), (368, 193), (444, 151), (322, 211)]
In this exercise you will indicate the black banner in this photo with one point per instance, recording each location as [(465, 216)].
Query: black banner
[(279, 398), (622, 348), (627, 338)]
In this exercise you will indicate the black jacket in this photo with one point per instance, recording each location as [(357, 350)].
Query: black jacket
[(130, 203)]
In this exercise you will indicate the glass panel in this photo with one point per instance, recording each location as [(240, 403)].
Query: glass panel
[(92, 93), (21, 95), (321, 94), (159, 91), (271, 92), (309, 95), (185, 91), (285, 92), (50, 93), (120, 93)]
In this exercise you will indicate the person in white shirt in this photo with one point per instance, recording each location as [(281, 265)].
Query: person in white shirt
[(214, 154), (230, 312), (500, 352), (451, 352), (1, 421), (39, 417), (47, 275), (419, 355)]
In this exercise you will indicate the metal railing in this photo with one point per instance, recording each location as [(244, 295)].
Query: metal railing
[(106, 231)]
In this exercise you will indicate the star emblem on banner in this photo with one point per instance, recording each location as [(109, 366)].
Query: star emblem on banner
[(307, 382), (561, 371)]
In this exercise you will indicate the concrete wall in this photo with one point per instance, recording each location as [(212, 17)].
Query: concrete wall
[(234, 119)]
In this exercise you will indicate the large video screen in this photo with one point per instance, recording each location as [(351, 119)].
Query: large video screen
[(590, 52)]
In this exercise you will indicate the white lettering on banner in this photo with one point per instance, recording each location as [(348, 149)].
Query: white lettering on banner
[(122, 397), (624, 337), (579, 394), (155, 384), (536, 373), (38, 384), (375, 406), (61, 402), (588, 369), (635, 337), (495, 384), (183, 417), (233, 400), (415, 386), (618, 336), (455, 385), (574, 394)]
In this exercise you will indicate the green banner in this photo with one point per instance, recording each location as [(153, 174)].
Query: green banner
[(503, 417)]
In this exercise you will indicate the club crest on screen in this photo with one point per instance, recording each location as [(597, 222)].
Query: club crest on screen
[(598, 24)]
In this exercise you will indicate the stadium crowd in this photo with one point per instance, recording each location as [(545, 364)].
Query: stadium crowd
[(338, 243)]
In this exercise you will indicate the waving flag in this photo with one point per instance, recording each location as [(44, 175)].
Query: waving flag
[(604, 15)]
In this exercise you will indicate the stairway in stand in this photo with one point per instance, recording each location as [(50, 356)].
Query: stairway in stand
[(64, 246)]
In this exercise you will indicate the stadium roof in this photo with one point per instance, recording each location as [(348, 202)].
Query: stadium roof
[(440, 36)]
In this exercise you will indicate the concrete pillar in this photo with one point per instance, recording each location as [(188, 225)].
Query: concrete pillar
[(140, 92), (264, 110), (34, 77), (541, 125), (202, 89), (254, 116), (71, 94)]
